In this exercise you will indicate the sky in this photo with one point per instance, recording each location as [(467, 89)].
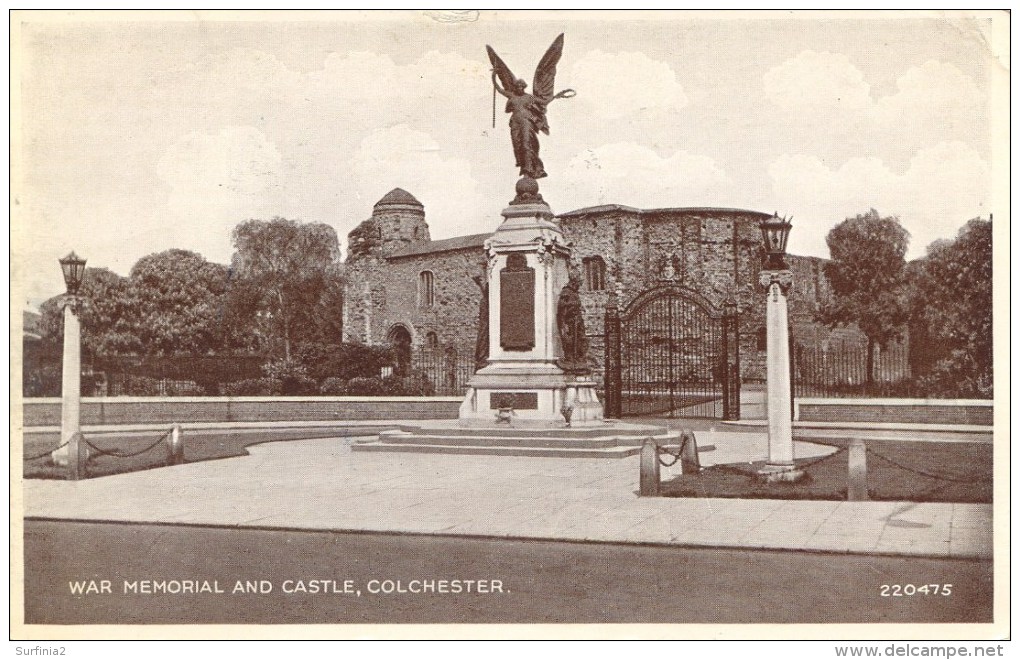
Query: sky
[(137, 133)]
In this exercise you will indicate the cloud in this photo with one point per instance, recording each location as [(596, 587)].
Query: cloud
[(929, 100), (943, 187), (815, 82), (632, 174), (235, 161), (351, 90), (934, 97), (619, 84), (413, 160), (213, 181)]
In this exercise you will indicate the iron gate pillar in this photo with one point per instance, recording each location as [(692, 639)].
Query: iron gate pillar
[(613, 375)]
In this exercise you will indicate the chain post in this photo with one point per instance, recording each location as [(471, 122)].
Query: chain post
[(857, 472), (649, 475), (77, 456)]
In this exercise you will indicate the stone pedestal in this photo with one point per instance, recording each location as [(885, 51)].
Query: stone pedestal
[(522, 384)]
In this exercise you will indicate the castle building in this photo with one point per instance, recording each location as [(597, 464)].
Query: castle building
[(421, 295)]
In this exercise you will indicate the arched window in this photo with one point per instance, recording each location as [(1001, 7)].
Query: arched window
[(431, 340), (594, 273), (426, 289)]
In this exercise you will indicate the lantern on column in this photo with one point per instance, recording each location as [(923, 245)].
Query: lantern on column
[(775, 232), (73, 267)]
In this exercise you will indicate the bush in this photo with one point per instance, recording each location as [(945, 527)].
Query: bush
[(417, 384), (956, 376), (209, 371), (361, 386), (333, 387), (41, 380), (413, 385), (293, 377), (253, 387), (184, 388), (140, 386), (343, 361)]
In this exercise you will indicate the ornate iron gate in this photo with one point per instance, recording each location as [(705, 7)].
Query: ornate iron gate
[(447, 369), (671, 353)]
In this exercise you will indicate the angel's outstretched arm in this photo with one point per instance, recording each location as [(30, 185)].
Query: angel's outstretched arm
[(495, 83)]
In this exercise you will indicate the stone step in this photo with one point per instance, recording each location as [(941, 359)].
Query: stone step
[(451, 430), (546, 452), (401, 438)]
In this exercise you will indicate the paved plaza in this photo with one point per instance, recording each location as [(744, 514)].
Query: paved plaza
[(321, 485)]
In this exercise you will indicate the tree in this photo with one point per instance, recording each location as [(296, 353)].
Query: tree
[(179, 300), (866, 274), (107, 317), (952, 310), (287, 266)]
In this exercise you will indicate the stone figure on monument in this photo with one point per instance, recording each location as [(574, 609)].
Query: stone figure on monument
[(570, 322), (482, 341), (527, 111)]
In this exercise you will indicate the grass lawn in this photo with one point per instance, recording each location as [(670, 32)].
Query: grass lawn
[(965, 468), (198, 446)]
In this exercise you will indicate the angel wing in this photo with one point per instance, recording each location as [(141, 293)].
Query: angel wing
[(503, 72), (545, 74)]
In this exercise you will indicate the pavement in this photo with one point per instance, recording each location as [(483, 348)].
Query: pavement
[(321, 485)]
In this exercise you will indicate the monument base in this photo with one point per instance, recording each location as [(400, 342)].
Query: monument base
[(781, 472), (532, 396), (610, 439)]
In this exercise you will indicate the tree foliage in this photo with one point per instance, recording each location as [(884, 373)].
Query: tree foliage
[(107, 316), (284, 267), (867, 277), (179, 300), (951, 311)]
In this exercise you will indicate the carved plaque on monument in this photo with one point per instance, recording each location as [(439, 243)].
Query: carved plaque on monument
[(517, 305), (515, 400)]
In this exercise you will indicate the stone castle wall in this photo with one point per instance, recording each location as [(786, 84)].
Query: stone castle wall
[(716, 252)]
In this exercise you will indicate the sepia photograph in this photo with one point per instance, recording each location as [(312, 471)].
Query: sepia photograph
[(362, 324)]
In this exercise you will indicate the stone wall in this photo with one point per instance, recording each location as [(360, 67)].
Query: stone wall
[(453, 316), (716, 252), (901, 411), (172, 410)]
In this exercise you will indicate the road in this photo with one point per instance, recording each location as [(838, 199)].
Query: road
[(525, 581)]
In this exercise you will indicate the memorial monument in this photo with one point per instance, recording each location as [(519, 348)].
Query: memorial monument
[(536, 371), (532, 393)]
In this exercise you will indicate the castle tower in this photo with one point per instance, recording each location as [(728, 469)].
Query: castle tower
[(400, 219), (397, 223)]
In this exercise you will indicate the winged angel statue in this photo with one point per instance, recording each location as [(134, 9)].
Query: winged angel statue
[(527, 111)]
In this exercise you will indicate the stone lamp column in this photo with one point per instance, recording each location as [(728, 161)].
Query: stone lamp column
[(777, 280), (73, 268), (777, 286)]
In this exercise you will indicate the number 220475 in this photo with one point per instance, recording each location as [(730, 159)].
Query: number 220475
[(898, 590)]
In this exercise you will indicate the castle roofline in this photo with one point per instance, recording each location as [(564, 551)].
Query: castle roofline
[(472, 241), (398, 196), (609, 208)]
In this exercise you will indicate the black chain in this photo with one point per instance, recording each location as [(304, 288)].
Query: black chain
[(676, 457), (116, 454), (922, 472), (45, 453)]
